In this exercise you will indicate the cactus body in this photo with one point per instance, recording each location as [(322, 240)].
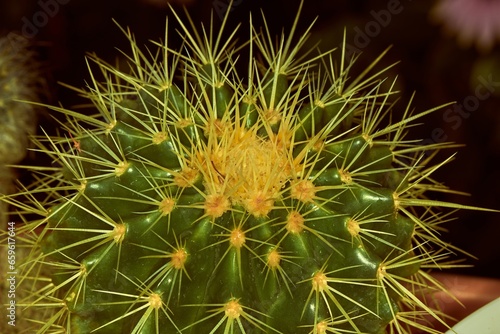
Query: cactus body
[(200, 200)]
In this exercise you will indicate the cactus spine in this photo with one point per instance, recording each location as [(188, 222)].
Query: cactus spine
[(200, 200)]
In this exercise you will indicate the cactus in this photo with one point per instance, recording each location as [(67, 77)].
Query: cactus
[(195, 199), (19, 80)]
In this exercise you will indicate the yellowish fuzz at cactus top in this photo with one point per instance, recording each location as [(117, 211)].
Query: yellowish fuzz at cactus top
[(247, 169), (216, 205), (295, 222), (353, 227), (233, 309), (303, 190), (155, 301), (320, 282), (178, 259), (121, 168), (119, 232), (273, 259), (381, 271), (83, 186), (321, 327), (187, 177), (237, 238), (166, 206), (159, 137), (345, 176)]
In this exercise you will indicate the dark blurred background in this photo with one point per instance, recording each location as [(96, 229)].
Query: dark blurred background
[(432, 64)]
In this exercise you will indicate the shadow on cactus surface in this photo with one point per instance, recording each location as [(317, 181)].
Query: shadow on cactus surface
[(199, 198)]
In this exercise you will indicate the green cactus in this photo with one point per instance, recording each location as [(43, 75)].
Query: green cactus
[(200, 200)]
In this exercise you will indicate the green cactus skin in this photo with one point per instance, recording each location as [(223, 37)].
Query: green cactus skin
[(200, 200)]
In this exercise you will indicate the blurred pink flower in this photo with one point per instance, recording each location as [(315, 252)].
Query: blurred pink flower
[(474, 21)]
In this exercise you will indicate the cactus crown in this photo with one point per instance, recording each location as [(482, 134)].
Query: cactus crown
[(198, 200)]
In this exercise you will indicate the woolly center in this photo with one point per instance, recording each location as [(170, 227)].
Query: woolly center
[(233, 309), (247, 169)]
